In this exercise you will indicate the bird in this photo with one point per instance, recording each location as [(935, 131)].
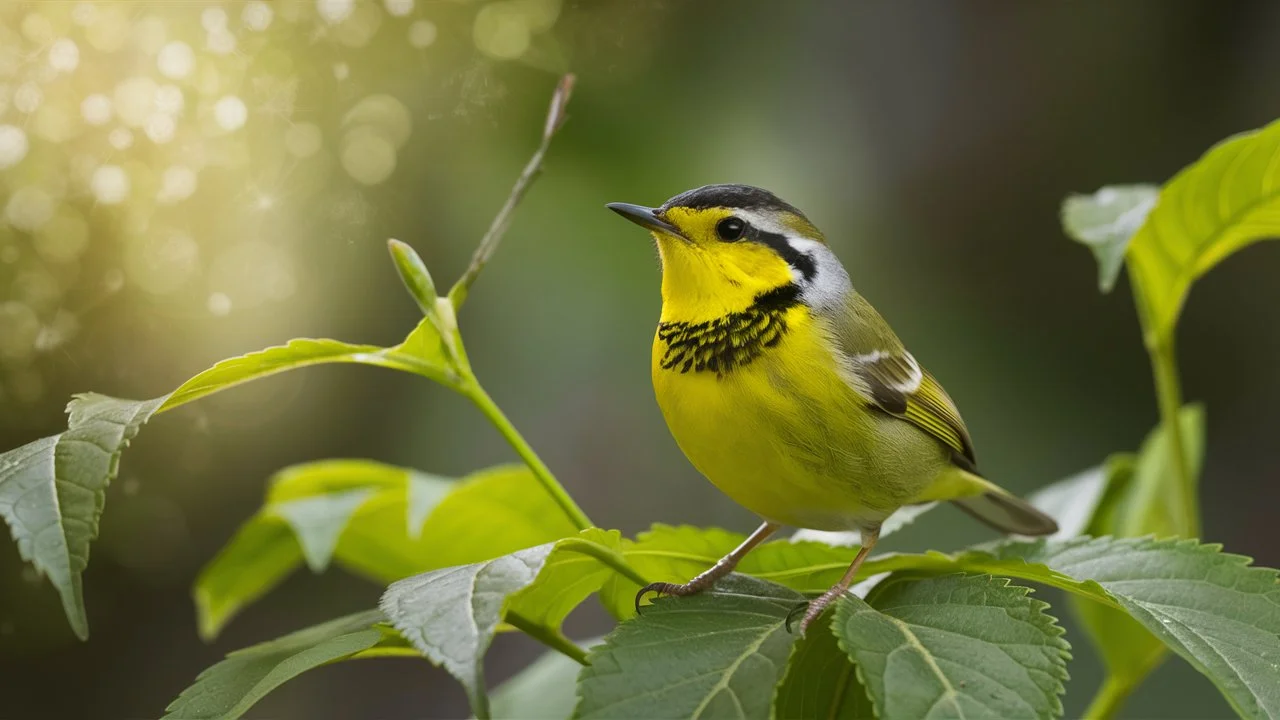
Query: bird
[(786, 389)]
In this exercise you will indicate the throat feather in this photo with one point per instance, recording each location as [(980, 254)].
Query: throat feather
[(731, 341)]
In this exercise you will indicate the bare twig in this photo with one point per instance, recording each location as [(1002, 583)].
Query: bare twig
[(555, 119)]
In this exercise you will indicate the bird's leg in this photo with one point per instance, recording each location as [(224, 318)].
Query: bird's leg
[(706, 579), (869, 538)]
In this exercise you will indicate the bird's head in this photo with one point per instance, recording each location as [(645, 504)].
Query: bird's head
[(722, 246)]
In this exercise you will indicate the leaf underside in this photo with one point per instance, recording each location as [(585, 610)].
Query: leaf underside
[(53, 490), (410, 523), (228, 689)]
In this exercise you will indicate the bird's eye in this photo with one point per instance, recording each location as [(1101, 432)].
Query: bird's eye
[(730, 229)]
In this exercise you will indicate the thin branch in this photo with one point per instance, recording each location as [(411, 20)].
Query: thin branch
[(555, 119)]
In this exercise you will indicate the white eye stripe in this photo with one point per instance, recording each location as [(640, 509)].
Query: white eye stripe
[(829, 285)]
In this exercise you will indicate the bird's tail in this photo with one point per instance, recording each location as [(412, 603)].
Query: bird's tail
[(1007, 512)]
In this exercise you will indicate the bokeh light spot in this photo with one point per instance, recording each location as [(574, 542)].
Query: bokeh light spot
[(176, 184), (422, 33), (218, 304), (176, 60), (169, 99), (84, 13), (29, 208), (221, 42), (367, 156), (257, 15), (96, 109), (398, 8), (213, 19), (334, 11), (160, 128), (120, 138), (27, 97), (13, 146), (64, 55), (358, 29), (110, 184), (57, 332), (502, 30), (383, 113), (230, 113)]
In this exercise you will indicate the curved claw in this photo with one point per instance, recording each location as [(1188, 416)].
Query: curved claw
[(791, 616), (658, 589)]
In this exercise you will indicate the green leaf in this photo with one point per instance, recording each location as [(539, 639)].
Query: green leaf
[(1152, 506), (955, 646), (1212, 608), (571, 573), (262, 553), (820, 681), (1224, 201), (228, 689), (488, 514), (545, 690), (314, 511), (318, 522), (1105, 222), (718, 654), (414, 355), (675, 554), (1128, 650), (451, 615), (53, 490), (491, 513)]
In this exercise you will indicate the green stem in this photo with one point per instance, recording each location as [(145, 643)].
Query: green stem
[(609, 557), (1164, 365), (1109, 699), (552, 639), (553, 487)]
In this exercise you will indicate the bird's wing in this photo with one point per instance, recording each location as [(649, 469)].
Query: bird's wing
[(896, 383), (882, 371)]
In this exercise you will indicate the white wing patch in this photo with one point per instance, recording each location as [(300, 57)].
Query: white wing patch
[(897, 371)]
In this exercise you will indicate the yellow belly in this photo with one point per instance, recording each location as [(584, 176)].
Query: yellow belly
[(787, 438)]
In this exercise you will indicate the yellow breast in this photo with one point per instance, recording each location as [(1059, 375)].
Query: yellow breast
[(779, 431)]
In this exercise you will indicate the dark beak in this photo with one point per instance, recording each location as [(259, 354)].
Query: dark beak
[(646, 218)]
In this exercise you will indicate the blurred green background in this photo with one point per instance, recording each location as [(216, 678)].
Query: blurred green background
[(184, 181)]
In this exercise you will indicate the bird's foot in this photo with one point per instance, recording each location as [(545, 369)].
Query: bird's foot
[(814, 608), (795, 611), (660, 589)]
